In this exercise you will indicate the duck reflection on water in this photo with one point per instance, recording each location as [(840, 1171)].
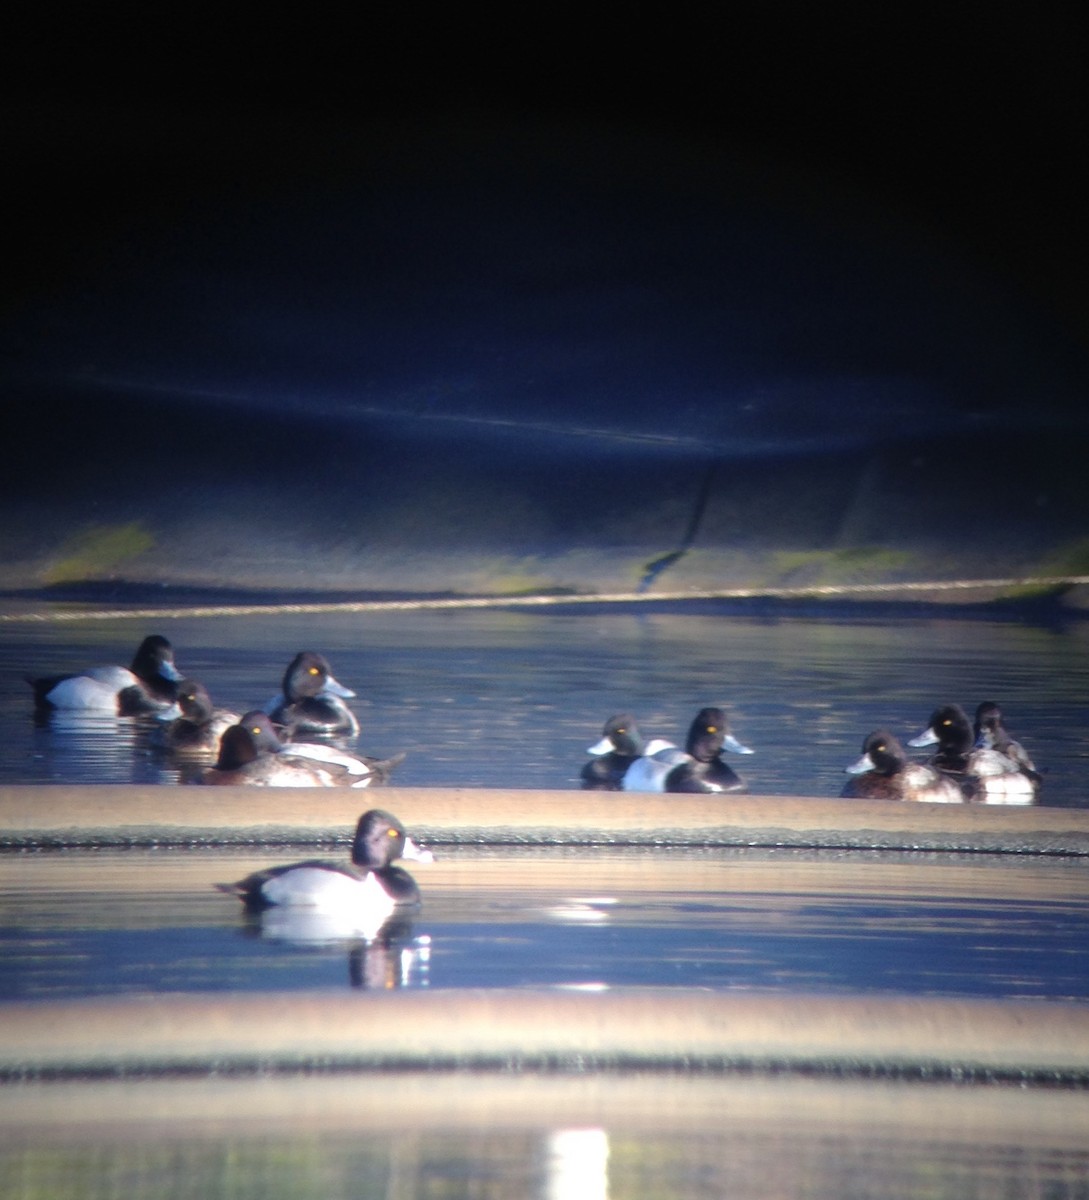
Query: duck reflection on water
[(388, 955), (366, 906)]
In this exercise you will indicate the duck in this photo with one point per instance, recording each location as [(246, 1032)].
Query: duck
[(696, 768), (192, 727), (149, 685), (312, 700), (621, 743), (252, 753), (884, 773), (984, 774), (990, 732), (367, 892)]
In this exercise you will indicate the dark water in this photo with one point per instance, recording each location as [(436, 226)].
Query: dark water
[(513, 698)]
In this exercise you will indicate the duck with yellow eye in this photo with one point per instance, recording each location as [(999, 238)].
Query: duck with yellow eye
[(984, 774), (365, 893), (699, 767), (620, 745), (312, 700), (884, 773), (252, 754)]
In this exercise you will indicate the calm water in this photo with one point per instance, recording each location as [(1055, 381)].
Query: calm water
[(79, 923), (465, 1137), (115, 922), (513, 698)]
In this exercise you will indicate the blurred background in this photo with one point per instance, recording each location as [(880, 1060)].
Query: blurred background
[(467, 302)]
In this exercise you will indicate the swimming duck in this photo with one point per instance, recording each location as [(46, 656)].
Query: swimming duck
[(193, 726), (251, 753), (312, 700), (884, 773), (697, 768), (991, 733), (148, 686), (984, 775), (620, 745), (368, 891)]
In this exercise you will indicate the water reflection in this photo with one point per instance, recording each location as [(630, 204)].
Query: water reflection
[(575, 910), (577, 1165), (463, 1136), (387, 956), (77, 747), (382, 965), (98, 923)]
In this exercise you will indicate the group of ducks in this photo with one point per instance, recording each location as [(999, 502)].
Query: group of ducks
[(977, 764), (253, 749), (624, 761), (265, 747), (270, 746), (980, 764)]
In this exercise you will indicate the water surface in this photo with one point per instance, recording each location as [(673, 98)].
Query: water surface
[(540, 1138), (502, 699), (513, 698), (78, 923)]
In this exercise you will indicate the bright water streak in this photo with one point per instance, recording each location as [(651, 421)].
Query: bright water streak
[(528, 1137)]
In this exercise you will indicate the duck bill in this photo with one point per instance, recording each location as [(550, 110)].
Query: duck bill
[(168, 671), (416, 853), (173, 713), (731, 743), (334, 687), (599, 748), (864, 764), (927, 738)]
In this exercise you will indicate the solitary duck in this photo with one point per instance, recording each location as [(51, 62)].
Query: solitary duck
[(193, 726), (984, 775), (149, 685), (367, 892), (698, 768), (620, 745), (884, 773), (251, 753), (312, 701)]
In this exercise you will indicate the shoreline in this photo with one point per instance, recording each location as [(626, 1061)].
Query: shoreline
[(1051, 597)]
